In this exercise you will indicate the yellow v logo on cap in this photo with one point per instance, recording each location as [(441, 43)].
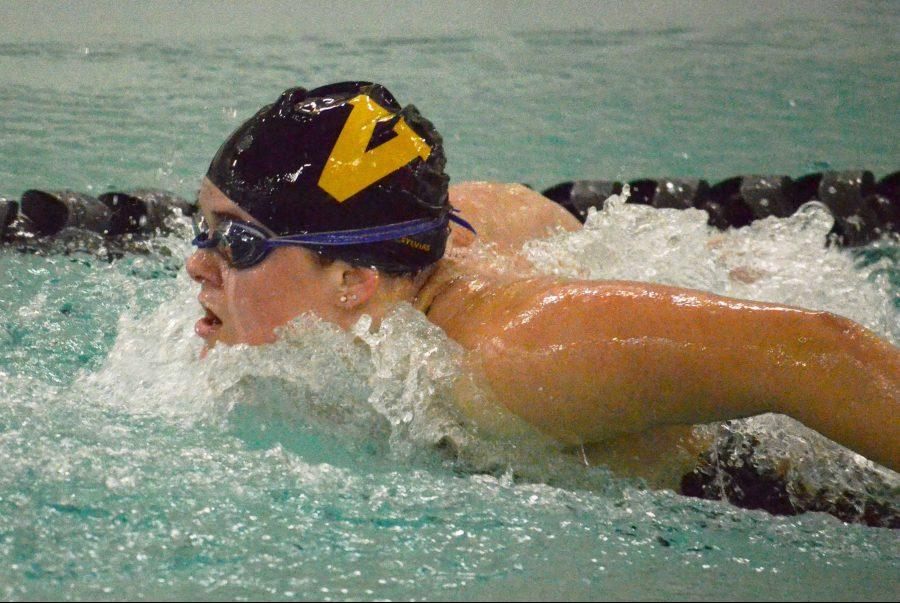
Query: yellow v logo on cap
[(351, 168)]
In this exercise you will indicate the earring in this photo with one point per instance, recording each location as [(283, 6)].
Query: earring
[(343, 299), (353, 297)]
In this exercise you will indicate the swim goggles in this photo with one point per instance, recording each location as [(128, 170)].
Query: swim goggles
[(245, 245)]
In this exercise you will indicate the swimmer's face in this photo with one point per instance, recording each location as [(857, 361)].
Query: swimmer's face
[(245, 306)]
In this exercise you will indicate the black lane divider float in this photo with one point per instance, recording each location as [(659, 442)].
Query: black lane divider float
[(733, 470), (863, 208), (66, 221)]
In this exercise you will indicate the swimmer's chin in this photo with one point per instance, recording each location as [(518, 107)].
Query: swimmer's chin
[(208, 334), (213, 331), (211, 340), (209, 343)]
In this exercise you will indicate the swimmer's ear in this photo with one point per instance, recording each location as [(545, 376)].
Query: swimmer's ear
[(358, 286)]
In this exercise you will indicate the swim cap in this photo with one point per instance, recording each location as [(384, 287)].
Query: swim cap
[(341, 157)]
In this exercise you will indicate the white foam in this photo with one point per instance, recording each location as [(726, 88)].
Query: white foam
[(772, 260)]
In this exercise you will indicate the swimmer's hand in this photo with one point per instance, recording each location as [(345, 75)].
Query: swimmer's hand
[(588, 361)]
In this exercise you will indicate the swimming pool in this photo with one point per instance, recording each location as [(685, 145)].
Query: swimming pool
[(130, 470)]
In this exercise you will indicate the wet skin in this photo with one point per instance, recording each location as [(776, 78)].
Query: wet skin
[(616, 366)]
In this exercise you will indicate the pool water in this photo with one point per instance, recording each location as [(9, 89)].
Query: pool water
[(313, 468)]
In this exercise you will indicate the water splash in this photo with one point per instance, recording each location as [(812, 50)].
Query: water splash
[(386, 393), (773, 260)]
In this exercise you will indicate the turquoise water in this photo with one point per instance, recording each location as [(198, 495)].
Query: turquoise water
[(128, 469)]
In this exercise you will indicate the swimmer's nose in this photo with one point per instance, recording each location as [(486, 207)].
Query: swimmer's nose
[(204, 266)]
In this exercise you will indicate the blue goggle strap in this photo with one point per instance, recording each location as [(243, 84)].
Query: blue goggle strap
[(359, 236), (375, 234)]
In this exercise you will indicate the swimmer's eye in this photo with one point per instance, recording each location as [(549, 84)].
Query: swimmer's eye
[(242, 245)]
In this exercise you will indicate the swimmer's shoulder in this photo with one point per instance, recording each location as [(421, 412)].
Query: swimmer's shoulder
[(471, 305), (475, 307)]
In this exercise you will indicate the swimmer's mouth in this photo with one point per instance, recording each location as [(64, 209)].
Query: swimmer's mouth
[(208, 325)]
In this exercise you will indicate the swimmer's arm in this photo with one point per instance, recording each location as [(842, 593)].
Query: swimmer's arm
[(587, 362)]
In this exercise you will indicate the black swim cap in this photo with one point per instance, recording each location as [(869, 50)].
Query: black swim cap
[(341, 157)]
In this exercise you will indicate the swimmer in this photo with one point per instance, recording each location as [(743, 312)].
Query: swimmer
[(334, 201)]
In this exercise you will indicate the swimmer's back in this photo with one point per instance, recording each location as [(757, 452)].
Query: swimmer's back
[(506, 215)]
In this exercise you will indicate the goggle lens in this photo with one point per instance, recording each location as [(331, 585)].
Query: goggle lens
[(240, 244)]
